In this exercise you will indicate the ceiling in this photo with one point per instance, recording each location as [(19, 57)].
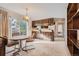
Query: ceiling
[(38, 10)]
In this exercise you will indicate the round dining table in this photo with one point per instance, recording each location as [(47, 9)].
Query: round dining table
[(20, 39)]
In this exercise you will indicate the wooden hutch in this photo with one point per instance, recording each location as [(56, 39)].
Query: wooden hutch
[(72, 28)]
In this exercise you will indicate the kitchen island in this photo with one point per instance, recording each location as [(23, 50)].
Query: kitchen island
[(46, 32)]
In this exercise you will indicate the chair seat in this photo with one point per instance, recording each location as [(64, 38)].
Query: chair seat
[(12, 43), (29, 40)]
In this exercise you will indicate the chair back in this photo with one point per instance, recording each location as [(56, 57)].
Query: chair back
[(33, 34), (30, 39), (5, 39)]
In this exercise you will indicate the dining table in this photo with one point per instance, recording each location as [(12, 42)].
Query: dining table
[(20, 39)]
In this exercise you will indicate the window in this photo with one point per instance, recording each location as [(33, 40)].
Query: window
[(18, 27), (22, 27)]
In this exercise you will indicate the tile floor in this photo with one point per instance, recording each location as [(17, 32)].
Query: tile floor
[(47, 48)]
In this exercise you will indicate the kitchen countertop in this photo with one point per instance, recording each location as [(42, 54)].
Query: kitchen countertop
[(42, 30)]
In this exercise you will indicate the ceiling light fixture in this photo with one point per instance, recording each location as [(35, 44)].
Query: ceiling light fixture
[(26, 17)]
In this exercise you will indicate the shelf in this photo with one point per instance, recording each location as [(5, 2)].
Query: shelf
[(76, 43), (75, 15), (70, 9), (72, 27), (69, 20)]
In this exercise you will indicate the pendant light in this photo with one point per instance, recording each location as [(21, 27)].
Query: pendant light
[(26, 17)]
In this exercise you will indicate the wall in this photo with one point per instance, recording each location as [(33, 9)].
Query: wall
[(38, 10), (42, 11), (57, 22), (65, 32)]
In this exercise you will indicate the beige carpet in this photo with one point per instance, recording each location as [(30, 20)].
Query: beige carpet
[(48, 48)]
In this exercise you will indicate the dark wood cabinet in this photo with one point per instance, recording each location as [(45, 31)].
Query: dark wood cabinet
[(71, 10), (44, 24), (72, 28)]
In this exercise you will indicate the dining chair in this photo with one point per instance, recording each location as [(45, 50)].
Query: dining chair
[(11, 46), (30, 40)]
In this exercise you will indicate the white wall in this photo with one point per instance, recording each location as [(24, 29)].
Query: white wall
[(40, 11), (65, 32)]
